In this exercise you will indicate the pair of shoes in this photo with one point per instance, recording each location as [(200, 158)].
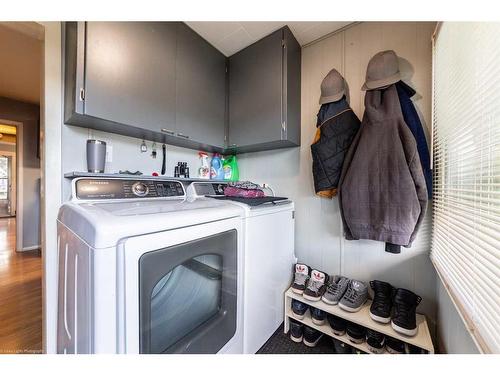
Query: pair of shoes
[(299, 309), (301, 333), (310, 283), (394, 346), (341, 347), (376, 343), (337, 324), (355, 333), (350, 295), (405, 304)]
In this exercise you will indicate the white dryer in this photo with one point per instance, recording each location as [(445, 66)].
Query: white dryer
[(142, 270), (269, 236)]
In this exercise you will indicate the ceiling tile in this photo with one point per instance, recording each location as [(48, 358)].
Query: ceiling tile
[(214, 31), (317, 30), (258, 30), (230, 37), (235, 42)]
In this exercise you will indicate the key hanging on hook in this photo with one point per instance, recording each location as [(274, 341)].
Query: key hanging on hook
[(144, 148)]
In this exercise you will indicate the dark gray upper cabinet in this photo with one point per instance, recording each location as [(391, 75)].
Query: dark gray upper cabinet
[(200, 88), (264, 94), (135, 79), (163, 82), (130, 73)]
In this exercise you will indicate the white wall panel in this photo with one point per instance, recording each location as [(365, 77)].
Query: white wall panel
[(452, 334)]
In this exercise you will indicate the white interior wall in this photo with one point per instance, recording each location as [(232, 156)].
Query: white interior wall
[(126, 155), (50, 152), (319, 239), (452, 334)]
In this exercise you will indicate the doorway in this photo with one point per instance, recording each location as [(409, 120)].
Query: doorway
[(20, 197), (8, 183), (5, 186)]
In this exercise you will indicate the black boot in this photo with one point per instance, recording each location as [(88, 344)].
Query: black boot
[(380, 310), (405, 305)]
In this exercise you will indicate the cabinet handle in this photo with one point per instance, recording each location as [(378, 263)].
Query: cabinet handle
[(169, 132), (183, 135)]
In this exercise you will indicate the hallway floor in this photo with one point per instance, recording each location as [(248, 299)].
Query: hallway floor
[(20, 294)]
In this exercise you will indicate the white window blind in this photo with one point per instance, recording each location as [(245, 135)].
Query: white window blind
[(466, 162)]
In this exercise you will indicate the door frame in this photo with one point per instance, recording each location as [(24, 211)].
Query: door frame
[(51, 120), (19, 183)]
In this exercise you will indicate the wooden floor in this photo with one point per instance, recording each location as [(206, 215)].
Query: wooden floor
[(20, 294)]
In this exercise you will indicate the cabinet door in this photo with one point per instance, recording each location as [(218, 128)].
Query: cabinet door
[(255, 93), (200, 89), (130, 73)]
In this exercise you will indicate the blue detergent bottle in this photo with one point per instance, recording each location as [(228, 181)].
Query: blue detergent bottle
[(216, 170)]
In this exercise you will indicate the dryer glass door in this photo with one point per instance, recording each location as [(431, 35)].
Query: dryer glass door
[(188, 296)]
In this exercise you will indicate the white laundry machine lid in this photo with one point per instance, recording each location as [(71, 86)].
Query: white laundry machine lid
[(103, 224)]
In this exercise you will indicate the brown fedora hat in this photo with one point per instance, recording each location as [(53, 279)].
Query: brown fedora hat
[(382, 70), (332, 87)]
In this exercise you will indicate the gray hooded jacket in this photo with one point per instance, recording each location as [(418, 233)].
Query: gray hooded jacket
[(382, 194)]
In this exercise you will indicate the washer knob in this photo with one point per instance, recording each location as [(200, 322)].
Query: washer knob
[(140, 189)]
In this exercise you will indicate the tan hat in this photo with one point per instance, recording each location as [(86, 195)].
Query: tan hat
[(382, 70), (332, 87)]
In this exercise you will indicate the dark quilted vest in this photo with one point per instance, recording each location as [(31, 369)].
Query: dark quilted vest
[(333, 138)]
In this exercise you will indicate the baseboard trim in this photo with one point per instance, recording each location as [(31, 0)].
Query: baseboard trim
[(30, 248)]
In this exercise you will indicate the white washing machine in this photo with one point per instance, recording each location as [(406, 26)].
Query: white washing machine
[(142, 270), (269, 231)]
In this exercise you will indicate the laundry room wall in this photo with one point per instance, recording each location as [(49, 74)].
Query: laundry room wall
[(319, 241), (126, 155)]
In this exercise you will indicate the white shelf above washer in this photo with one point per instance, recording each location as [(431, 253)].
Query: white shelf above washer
[(422, 339)]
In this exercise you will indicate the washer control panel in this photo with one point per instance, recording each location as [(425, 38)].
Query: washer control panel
[(203, 189), (115, 188)]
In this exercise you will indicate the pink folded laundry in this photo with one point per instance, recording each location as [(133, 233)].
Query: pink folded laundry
[(243, 190)]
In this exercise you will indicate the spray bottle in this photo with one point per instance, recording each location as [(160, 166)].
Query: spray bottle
[(204, 170)]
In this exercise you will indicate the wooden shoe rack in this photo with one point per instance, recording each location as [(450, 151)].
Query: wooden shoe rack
[(422, 339)]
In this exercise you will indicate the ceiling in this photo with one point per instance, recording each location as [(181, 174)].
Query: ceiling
[(20, 63), (230, 37)]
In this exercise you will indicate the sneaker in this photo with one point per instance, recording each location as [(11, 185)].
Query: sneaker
[(316, 285), (300, 278), (311, 336), (318, 316), (380, 310), (338, 324), (375, 341), (405, 319), (355, 332), (296, 331), (354, 297), (299, 309), (394, 346), (412, 349), (335, 289), (341, 347)]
